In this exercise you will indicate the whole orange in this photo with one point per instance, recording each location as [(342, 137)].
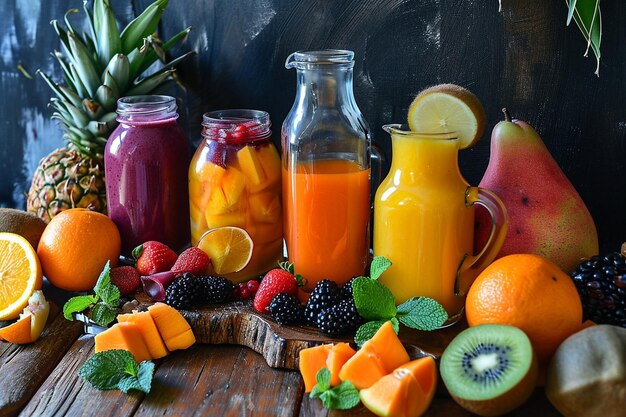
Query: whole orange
[(75, 246), (528, 292)]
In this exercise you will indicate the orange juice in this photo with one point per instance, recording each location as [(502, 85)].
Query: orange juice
[(424, 221), (326, 223)]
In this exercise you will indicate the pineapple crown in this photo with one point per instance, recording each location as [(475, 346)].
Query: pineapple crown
[(103, 65)]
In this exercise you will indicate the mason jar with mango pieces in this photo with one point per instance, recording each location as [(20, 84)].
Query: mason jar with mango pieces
[(234, 180)]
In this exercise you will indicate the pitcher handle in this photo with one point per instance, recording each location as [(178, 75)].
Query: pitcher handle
[(499, 227)]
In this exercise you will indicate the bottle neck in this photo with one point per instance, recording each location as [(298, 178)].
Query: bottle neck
[(327, 86), (421, 160), (146, 109)]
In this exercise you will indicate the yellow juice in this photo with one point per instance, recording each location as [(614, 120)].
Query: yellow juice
[(421, 221)]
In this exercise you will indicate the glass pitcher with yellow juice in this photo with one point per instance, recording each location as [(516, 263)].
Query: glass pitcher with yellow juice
[(424, 221)]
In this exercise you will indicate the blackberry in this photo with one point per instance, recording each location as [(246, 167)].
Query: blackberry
[(286, 309), (215, 289), (346, 290), (184, 292), (339, 319), (601, 283), (325, 294)]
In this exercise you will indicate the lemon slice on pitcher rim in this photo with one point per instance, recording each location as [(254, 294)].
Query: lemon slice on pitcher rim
[(228, 247), (20, 274), (448, 108)]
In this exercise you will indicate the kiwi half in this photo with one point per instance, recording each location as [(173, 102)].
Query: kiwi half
[(490, 369)]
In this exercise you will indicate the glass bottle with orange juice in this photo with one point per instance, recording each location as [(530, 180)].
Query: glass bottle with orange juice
[(326, 170), (234, 180)]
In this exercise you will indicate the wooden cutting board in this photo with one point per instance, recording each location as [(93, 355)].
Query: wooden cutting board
[(238, 323)]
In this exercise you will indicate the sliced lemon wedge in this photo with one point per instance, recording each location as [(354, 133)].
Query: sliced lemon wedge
[(448, 108)]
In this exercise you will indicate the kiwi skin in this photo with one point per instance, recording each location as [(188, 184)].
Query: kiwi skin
[(23, 223), (508, 401)]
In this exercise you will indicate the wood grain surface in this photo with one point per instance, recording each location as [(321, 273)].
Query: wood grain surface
[(524, 58)]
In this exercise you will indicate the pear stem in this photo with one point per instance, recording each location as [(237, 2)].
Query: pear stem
[(507, 115)]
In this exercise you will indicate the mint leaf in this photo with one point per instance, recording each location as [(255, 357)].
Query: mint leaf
[(141, 382), (104, 280), (422, 313), (111, 295), (366, 331), (379, 265), (103, 314), (77, 304), (104, 369), (373, 300), (323, 378), (342, 397), (395, 325), (113, 369)]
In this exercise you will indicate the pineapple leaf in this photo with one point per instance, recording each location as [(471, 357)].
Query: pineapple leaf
[(106, 97), (84, 65), (109, 81), (146, 85), (78, 117), (119, 68), (151, 56), (90, 22), (92, 108), (72, 97), (68, 25), (586, 14), (143, 25), (107, 33), (135, 60), (80, 88), (67, 75), (54, 86), (62, 34)]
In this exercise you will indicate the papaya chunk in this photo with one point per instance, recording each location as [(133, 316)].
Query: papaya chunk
[(149, 332), (174, 329), (126, 336)]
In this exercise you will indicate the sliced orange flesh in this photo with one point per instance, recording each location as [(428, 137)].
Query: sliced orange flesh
[(18, 332), (229, 248), (20, 274)]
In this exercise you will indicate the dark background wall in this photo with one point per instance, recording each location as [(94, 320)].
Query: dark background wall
[(523, 58)]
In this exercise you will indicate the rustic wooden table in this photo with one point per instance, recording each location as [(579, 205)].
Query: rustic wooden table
[(205, 380)]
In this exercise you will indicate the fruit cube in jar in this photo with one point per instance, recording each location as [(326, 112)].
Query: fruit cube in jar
[(250, 164)]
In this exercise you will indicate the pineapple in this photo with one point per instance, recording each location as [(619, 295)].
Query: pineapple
[(99, 67)]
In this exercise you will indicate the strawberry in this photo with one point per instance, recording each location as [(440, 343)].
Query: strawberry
[(276, 281), (153, 257), (192, 260), (126, 278)]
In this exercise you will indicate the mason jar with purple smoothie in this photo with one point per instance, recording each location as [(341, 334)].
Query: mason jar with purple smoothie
[(146, 160)]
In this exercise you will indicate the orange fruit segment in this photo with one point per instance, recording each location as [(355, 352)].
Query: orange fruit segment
[(229, 248), (20, 274), (18, 332)]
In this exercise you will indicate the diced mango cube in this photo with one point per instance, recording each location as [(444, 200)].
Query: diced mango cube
[(126, 336), (235, 218), (270, 160), (250, 164), (206, 172), (217, 203), (265, 207), (173, 327), (195, 213), (149, 332), (233, 185)]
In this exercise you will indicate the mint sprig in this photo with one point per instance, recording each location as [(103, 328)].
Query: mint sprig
[(376, 304), (342, 397), (103, 303), (117, 369)]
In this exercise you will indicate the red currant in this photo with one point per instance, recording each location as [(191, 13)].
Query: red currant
[(236, 293), (245, 294), (253, 286)]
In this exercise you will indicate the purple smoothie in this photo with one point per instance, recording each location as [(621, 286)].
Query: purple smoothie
[(146, 160)]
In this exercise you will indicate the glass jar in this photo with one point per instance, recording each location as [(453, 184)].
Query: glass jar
[(234, 180), (145, 163), (326, 170)]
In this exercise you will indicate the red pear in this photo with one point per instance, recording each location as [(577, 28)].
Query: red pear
[(546, 215)]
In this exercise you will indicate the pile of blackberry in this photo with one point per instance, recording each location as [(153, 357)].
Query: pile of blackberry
[(188, 291), (601, 283), (330, 308)]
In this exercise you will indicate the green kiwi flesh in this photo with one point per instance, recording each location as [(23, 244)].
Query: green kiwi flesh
[(490, 369)]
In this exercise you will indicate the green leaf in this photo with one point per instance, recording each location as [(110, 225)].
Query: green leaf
[(103, 369), (379, 265), (323, 378), (366, 331), (103, 314), (113, 369), (143, 25), (422, 313), (107, 33), (395, 324), (84, 64), (570, 13), (347, 396), (588, 18), (104, 280), (77, 304), (373, 300)]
